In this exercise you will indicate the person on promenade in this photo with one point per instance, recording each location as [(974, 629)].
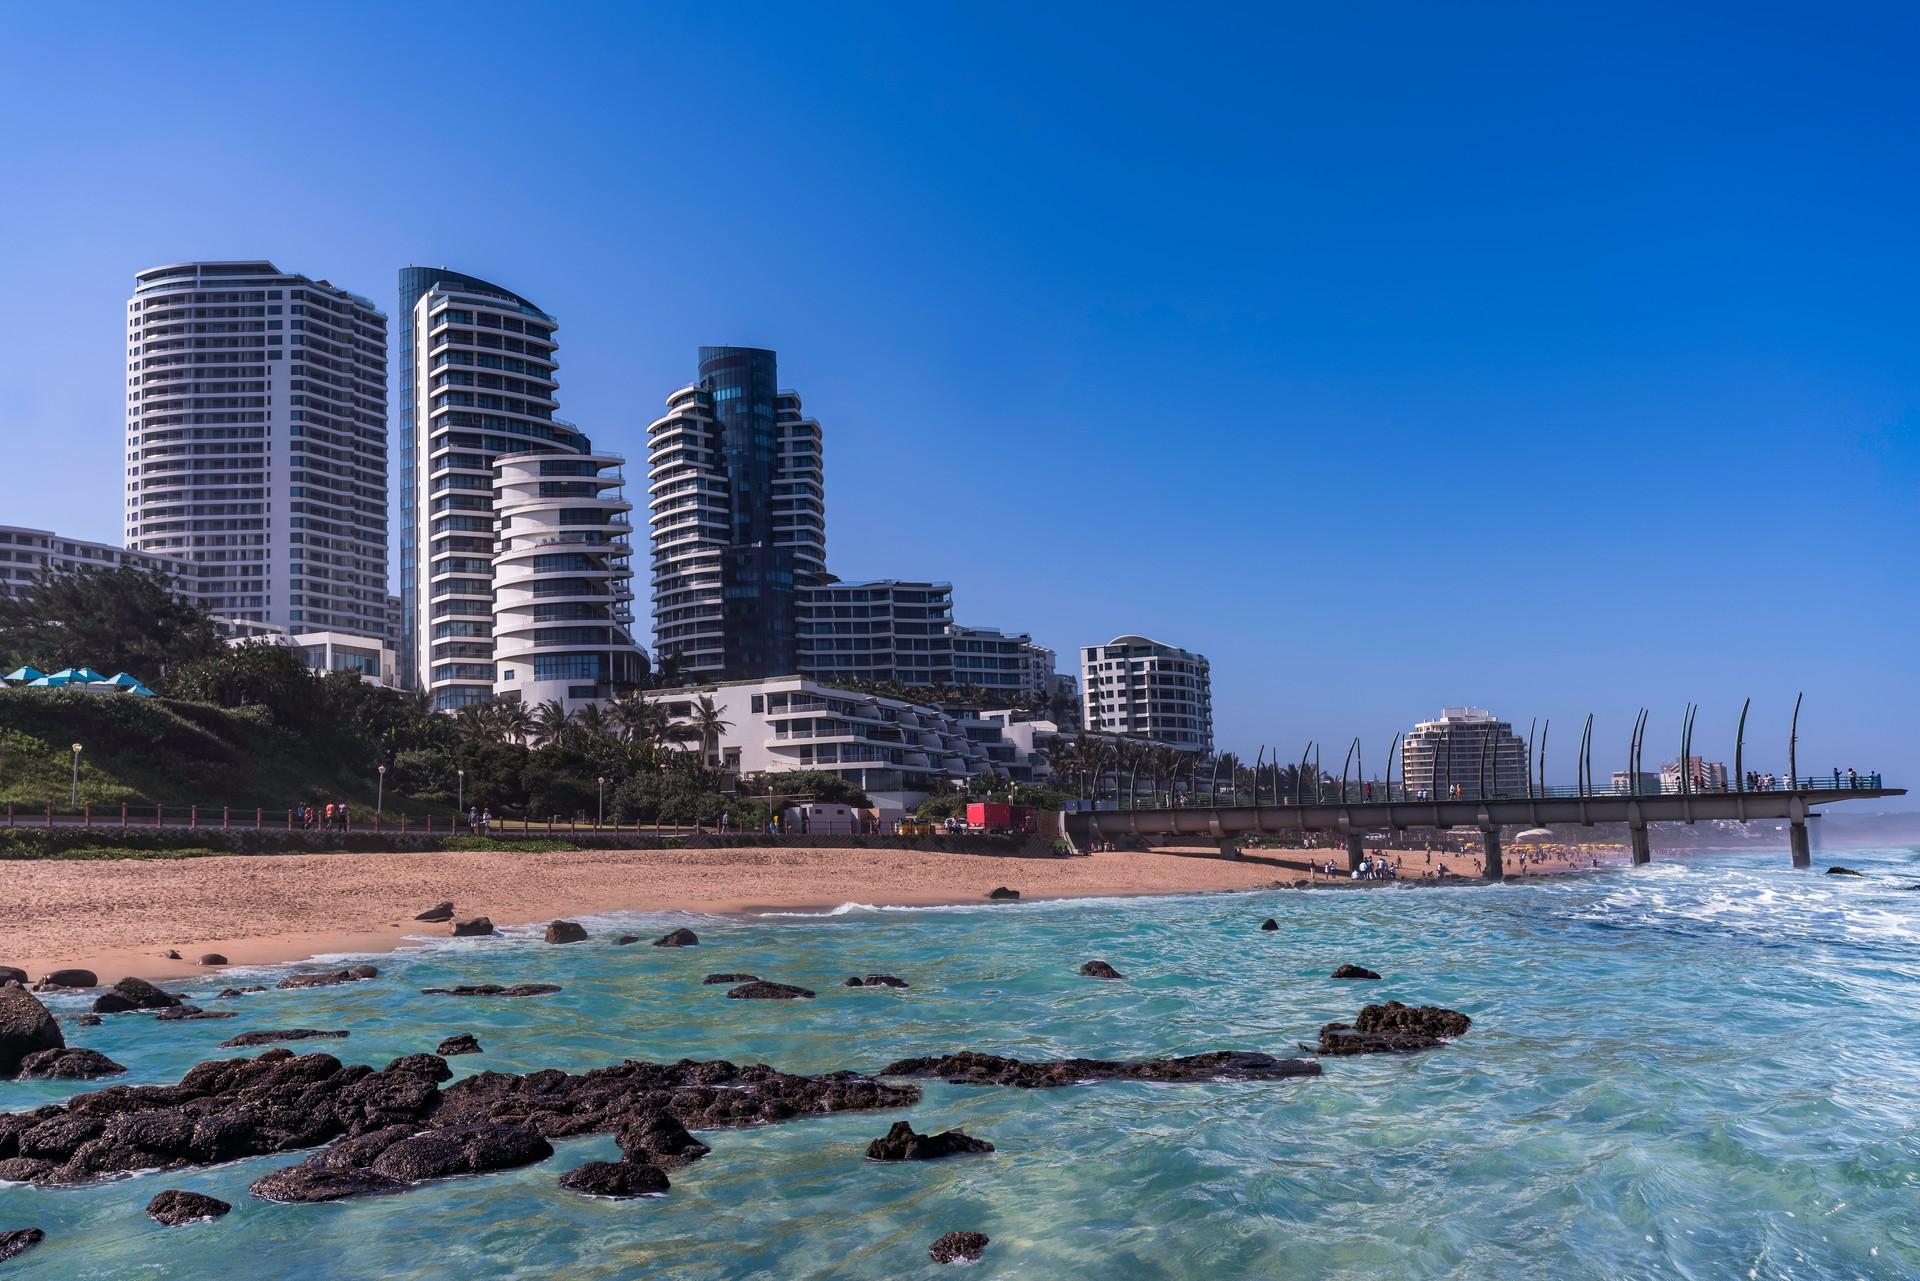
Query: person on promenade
[(346, 819), (473, 819), (486, 821)]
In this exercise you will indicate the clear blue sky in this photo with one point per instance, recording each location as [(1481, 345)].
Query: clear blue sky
[(1392, 356)]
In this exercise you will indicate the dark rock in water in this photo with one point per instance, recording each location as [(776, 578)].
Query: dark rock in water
[(959, 1247), (9, 974), (70, 978), (678, 938), (478, 926), (968, 1068), (227, 994), (1354, 972), (492, 989), (901, 1144), (70, 1064), (246, 1040), (614, 1179), (88, 1020), (731, 978), (566, 932), (1910, 887), (429, 1066), (329, 978), (466, 1149), (875, 980), (174, 1207), (1269, 924), (461, 1044), (23, 1169), (211, 958), (179, 1013), (25, 1027), (441, 911), (1100, 970), (19, 1241), (305, 1184), (133, 994), (1393, 1028), (1843, 871), (625, 939), (761, 990), (656, 1138), (1004, 894)]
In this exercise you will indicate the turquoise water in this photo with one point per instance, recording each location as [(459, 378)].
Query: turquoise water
[(1702, 1069)]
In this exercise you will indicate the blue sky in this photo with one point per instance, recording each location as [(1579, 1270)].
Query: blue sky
[(1392, 356)]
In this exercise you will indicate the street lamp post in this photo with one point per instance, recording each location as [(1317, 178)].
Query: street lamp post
[(74, 801), (602, 819), (380, 804), (460, 795)]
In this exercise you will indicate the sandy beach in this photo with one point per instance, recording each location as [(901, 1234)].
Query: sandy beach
[(119, 917)]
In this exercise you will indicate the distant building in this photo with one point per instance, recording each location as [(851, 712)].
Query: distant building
[(26, 553), (1141, 687), (884, 630), (1439, 755), (1646, 784), (372, 659), (1701, 776)]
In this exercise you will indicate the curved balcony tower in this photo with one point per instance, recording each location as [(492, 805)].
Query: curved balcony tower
[(562, 584)]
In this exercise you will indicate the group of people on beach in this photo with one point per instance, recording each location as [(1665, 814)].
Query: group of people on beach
[(479, 821), (332, 817)]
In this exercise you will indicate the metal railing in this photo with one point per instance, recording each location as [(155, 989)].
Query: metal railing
[(1333, 793)]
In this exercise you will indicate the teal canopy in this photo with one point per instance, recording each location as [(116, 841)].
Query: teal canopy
[(88, 674), (23, 674), (125, 681), (55, 680)]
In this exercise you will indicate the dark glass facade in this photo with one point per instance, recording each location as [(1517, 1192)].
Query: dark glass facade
[(757, 577)]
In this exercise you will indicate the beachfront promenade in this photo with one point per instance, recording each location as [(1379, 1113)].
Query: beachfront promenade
[(1352, 819)]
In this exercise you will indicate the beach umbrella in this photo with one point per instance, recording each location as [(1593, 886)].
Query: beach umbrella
[(88, 675), (124, 681), (23, 674), (1533, 836), (141, 690), (55, 681)]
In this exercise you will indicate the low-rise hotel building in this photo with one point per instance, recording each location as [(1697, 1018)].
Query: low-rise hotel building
[(27, 553)]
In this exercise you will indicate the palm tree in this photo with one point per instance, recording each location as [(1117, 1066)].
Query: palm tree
[(708, 725), (473, 725), (515, 723), (643, 722), (592, 724), (551, 723)]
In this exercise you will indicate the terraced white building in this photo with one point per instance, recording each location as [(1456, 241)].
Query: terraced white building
[(1138, 686)]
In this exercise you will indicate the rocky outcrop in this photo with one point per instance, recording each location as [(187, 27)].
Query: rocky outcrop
[(329, 978), (1269, 924), (968, 1068), (443, 1152), (210, 958), (901, 1144), (566, 932), (615, 1179), (874, 980), (133, 994), (678, 938), (1843, 871), (1393, 1028), (761, 990), (655, 1138), (492, 989), (247, 1040), (1003, 894), (478, 927), (441, 911), (463, 1043), (1100, 970), (25, 1028), (183, 1013), (70, 978), (11, 974), (70, 1064), (19, 1241), (174, 1208), (959, 1247), (22, 1169), (1354, 972)]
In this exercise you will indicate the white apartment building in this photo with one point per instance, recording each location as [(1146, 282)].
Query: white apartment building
[(256, 441), (372, 660), (478, 382), (562, 587), (1439, 755), (26, 553), (1141, 687), (1701, 776), (892, 749), (885, 630)]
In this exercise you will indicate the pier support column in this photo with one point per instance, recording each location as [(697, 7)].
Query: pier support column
[(1490, 840), (1797, 837), (1356, 850), (1642, 844), (1229, 847)]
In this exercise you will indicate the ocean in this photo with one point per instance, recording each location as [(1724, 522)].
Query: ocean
[(1707, 1068)]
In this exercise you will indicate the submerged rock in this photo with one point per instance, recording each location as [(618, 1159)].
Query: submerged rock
[(463, 1043), (305, 1183), (731, 978), (179, 1013), (475, 928), (88, 1020), (615, 1179), (761, 990), (19, 1241), (901, 1144), (959, 1247), (227, 994), (566, 932), (25, 1028), (329, 978), (492, 989), (174, 1207), (1100, 970), (1269, 924), (70, 1064), (133, 994), (969, 1068), (247, 1040), (625, 939), (874, 980), (1843, 871), (1393, 1028), (441, 911), (1004, 894), (678, 938), (1354, 972)]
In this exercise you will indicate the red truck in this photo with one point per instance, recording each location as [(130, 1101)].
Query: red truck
[(997, 816)]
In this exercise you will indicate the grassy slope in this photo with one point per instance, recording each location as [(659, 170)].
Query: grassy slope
[(160, 752)]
